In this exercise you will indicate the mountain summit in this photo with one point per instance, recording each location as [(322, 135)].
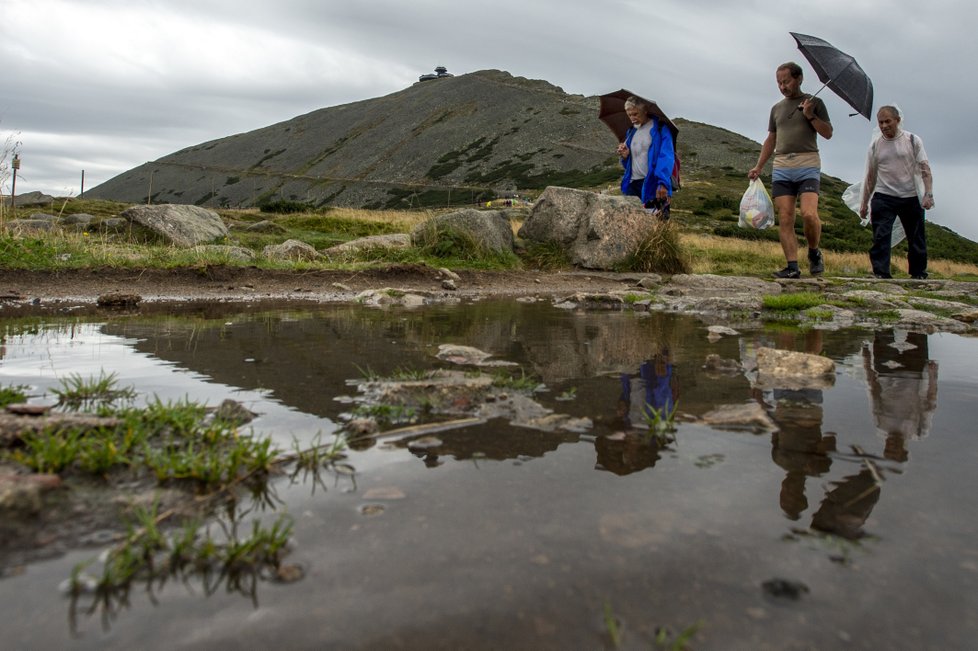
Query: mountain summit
[(461, 138)]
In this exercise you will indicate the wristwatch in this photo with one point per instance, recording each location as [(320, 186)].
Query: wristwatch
[(929, 194)]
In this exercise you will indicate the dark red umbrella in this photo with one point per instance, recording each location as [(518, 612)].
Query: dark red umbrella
[(612, 113)]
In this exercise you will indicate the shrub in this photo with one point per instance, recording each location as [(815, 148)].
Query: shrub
[(660, 252)]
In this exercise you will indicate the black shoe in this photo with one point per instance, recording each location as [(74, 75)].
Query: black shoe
[(788, 272), (816, 264), (883, 276), (922, 276)]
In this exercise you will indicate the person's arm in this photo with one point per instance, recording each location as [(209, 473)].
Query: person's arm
[(664, 163), (767, 148), (869, 184), (821, 125), (925, 174)]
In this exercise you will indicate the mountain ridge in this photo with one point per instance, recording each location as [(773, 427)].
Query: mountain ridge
[(483, 133)]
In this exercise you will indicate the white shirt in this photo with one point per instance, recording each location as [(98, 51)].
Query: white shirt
[(639, 150), (896, 162)]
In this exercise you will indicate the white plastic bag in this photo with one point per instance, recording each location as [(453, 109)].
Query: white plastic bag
[(756, 207), (852, 197)]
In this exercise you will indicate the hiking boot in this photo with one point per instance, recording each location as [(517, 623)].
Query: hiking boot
[(922, 276), (788, 272), (816, 264)]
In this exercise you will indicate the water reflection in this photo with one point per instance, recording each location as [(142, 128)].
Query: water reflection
[(517, 506), (902, 382), (644, 399)]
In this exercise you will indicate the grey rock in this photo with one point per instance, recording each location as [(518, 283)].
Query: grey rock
[(265, 226), (597, 231), (390, 242), (291, 251), (490, 229), (177, 224)]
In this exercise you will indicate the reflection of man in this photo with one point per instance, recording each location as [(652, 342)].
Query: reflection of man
[(847, 506), (903, 388), (798, 445)]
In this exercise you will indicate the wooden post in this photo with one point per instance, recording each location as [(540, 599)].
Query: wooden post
[(15, 165)]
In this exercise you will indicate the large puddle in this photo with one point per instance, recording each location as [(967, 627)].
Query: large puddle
[(854, 525)]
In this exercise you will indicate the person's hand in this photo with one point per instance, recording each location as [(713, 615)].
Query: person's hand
[(754, 173), (623, 150), (863, 211), (928, 201), (662, 193), (808, 108)]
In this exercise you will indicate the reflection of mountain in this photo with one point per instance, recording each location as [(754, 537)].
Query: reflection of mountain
[(305, 357)]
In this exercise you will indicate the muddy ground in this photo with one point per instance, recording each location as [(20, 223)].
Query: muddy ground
[(249, 283), (46, 515)]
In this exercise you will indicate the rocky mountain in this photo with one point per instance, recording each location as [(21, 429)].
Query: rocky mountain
[(454, 139)]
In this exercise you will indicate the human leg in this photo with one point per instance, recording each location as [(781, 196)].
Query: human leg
[(883, 213), (911, 215), (785, 206), (812, 226)]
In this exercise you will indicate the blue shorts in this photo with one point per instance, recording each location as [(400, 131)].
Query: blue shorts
[(794, 188), (792, 181)]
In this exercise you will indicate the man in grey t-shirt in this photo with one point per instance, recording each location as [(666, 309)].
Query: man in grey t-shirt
[(793, 129)]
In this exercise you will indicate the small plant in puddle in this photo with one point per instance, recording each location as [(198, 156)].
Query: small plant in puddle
[(77, 392), (149, 555), (368, 374), (661, 423), (521, 383), (409, 375), (664, 639), (387, 414), (568, 394), (611, 625), (13, 394), (312, 460)]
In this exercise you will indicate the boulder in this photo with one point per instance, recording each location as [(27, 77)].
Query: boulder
[(177, 224), (390, 242), (490, 229), (30, 199), (597, 231), (786, 369), (291, 251)]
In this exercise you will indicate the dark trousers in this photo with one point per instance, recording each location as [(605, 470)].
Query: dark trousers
[(635, 190), (885, 209)]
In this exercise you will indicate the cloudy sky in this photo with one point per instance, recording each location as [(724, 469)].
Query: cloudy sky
[(105, 85)]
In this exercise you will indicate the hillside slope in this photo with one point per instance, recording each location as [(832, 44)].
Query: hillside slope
[(474, 135)]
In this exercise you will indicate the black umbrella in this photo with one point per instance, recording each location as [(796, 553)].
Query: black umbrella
[(612, 113), (839, 71)]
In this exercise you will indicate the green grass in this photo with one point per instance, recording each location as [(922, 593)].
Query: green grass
[(706, 204), (659, 252), (793, 302), (13, 394)]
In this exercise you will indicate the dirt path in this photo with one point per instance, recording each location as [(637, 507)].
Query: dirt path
[(249, 283)]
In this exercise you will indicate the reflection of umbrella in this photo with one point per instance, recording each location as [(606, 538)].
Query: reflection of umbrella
[(838, 71), (612, 113)]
